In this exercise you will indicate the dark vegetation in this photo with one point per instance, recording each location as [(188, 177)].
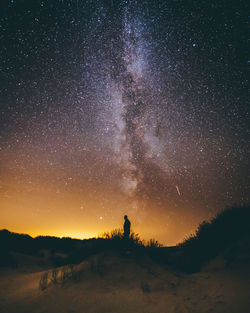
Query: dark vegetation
[(227, 233), (59, 276)]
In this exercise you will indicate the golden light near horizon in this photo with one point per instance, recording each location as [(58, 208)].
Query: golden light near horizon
[(43, 204), (119, 112), (37, 213)]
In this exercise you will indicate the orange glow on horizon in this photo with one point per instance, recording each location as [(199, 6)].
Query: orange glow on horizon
[(46, 206), (70, 234)]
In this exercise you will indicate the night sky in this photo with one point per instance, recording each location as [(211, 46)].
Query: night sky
[(122, 107)]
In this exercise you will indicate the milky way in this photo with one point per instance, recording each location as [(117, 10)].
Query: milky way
[(114, 107)]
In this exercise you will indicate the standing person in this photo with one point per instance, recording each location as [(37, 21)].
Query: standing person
[(126, 227)]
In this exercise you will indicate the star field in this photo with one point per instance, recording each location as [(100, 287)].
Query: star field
[(122, 107)]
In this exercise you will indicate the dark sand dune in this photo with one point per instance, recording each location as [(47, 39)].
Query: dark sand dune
[(208, 273), (111, 282)]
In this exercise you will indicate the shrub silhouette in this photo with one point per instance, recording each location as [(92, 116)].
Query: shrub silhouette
[(211, 238), (64, 274), (43, 284), (153, 244), (116, 235), (59, 276), (54, 276)]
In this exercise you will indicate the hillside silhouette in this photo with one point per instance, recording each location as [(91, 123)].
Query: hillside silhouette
[(227, 233), (208, 272)]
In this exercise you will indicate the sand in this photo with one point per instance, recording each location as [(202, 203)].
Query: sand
[(111, 283)]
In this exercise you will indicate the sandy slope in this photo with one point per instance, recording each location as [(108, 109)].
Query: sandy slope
[(110, 283)]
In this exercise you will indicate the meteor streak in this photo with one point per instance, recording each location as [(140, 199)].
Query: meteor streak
[(178, 190)]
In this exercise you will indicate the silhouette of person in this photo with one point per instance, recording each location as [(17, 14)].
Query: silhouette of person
[(126, 227)]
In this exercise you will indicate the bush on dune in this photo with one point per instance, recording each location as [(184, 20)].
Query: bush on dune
[(116, 236), (153, 244), (211, 238)]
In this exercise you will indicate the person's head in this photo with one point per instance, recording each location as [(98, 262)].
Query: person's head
[(125, 217)]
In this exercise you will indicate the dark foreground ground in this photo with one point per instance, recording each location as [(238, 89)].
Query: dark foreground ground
[(119, 283), (207, 273)]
